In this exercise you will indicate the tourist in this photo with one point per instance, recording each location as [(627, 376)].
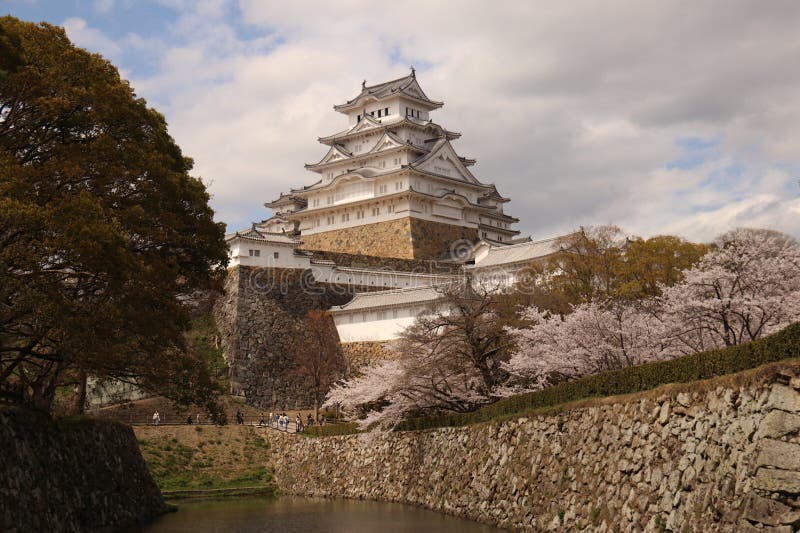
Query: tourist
[(261, 422), (270, 418), (197, 418), (189, 420), (156, 418), (310, 420)]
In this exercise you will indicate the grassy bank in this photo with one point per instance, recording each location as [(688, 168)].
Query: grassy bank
[(189, 458)]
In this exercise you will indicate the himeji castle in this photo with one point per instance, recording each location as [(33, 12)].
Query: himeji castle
[(392, 188), (392, 184)]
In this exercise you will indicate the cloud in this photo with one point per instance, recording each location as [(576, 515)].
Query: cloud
[(103, 6), (92, 39), (660, 117)]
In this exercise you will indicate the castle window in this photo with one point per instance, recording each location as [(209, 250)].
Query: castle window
[(330, 200), (376, 211), (379, 113), (407, 111), (394, 313), (358, 118), (386, 112), (254, 253), (391, 208), (275, 255), (363, 317), (381, 315), (346, 217), (331, 220)]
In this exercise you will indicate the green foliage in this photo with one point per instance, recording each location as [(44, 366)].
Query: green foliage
[(104, 234), (778, 347)]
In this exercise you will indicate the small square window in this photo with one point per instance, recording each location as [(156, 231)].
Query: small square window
[(275, 255)]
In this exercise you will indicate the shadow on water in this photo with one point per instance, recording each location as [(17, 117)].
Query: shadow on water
[(290, 514)]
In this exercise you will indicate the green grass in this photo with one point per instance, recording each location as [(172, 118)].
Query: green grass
[(206, 464), (780, 346)]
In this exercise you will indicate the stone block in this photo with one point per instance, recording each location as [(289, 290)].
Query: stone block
[(774, 480), (770, 512), (784, 398), (779, 454), (778, 423)]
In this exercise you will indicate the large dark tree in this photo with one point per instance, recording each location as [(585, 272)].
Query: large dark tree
[(104, 234)]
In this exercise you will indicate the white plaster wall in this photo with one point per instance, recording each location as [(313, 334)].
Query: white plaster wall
[(240, 255), (372, 329)]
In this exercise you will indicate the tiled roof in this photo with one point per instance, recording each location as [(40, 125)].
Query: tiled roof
[(515, 253), (370, 300), (255, 235), (389, 88)]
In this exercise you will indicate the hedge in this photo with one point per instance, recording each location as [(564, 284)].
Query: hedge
[(780, 346)]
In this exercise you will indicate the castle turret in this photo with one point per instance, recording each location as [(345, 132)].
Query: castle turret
[(392, 185)]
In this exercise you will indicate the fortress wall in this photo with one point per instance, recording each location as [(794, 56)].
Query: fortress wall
[(382, 239), (432, 240), (719, 456), (71, 475), (257, 317), (359, 354), (404, 238)]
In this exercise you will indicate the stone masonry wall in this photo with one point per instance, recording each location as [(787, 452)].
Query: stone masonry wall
[(382, 239), (723, 456), (78, 475), (257, 318), (359, 354), (432, 240), (405, 238)]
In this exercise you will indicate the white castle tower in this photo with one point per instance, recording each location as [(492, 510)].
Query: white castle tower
[(391, 184)]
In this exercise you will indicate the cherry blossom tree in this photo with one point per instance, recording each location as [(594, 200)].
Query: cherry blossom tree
[(594, 337), (448, 360), (748, 286)]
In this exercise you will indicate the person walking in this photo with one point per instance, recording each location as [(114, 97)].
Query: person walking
[(155, 416)]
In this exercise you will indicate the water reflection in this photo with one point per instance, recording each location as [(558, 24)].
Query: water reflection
[(290, 514)]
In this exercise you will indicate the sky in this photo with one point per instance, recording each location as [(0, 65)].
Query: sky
[(669, 117)]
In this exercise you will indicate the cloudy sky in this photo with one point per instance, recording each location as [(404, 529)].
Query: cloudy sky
[(662, 117)]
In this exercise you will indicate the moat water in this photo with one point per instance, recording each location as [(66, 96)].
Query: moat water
[(292, 514)]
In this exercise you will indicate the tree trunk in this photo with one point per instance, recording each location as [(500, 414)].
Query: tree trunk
[(80, 401)]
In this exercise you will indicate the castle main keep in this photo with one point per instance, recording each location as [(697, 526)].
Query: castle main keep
[(394, 212)]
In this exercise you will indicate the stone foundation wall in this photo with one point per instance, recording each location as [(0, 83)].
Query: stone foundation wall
[(257, 318), (433, 240), (382, 239), (722, 457), (77, 475), (405, 238), (359, 354)]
